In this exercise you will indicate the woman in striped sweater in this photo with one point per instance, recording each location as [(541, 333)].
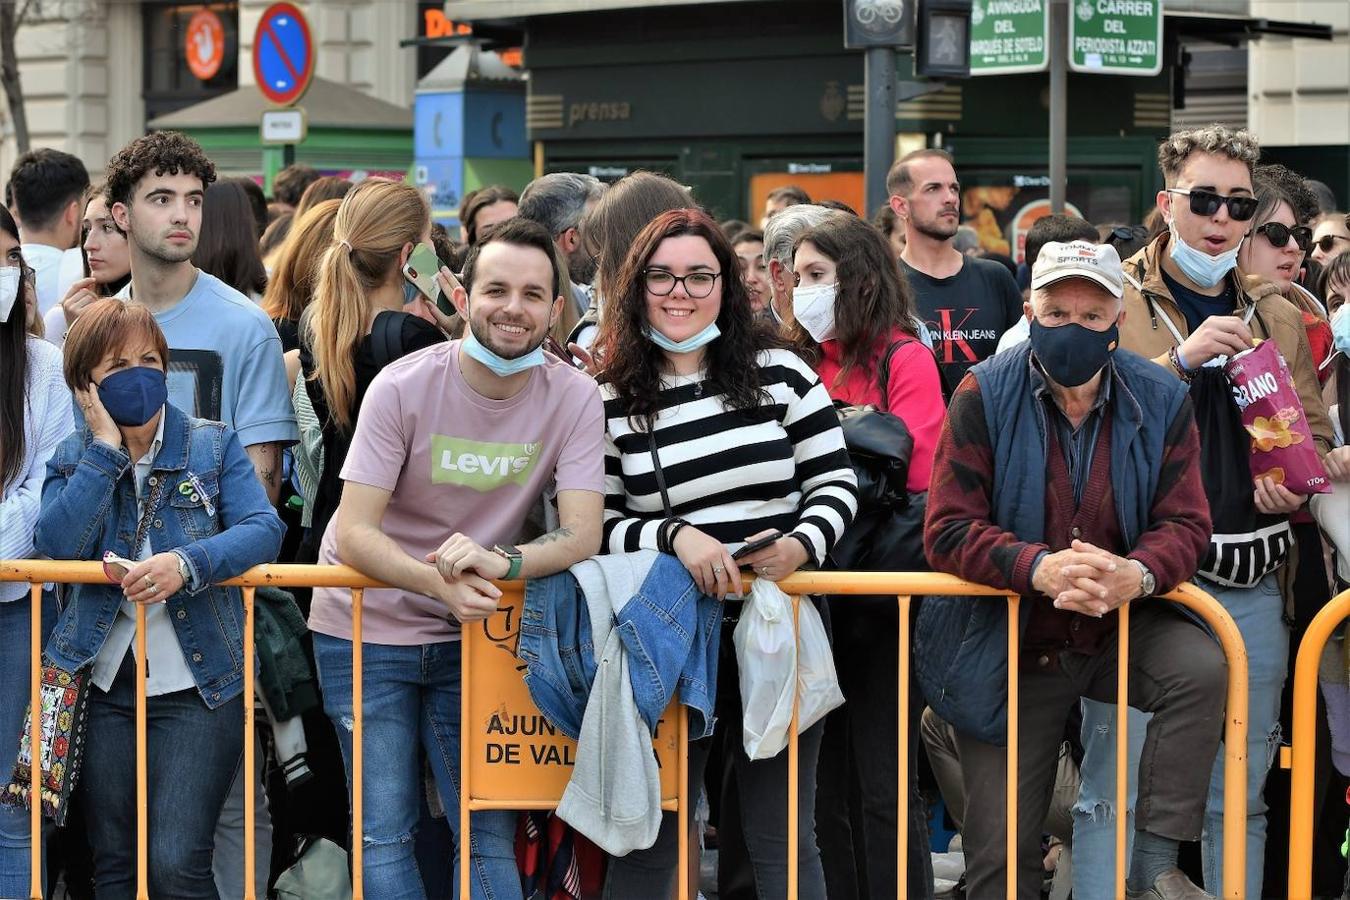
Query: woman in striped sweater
[(715, 437)]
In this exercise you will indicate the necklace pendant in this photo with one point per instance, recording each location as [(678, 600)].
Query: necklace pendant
[(698, 390)]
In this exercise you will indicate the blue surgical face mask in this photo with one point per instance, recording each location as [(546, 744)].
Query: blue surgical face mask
[(1340, 329), (410, 292), (1201, 268), (688, 345), (502, 368), (133, 396)]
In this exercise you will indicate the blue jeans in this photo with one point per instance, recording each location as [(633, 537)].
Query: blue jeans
[(14, 673), (193, 754), (1259, 614), (411, 697)]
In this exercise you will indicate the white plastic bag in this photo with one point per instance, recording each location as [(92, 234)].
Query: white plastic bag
[(817, 681), (767, 655)]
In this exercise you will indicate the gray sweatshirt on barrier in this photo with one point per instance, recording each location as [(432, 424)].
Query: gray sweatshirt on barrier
[(614, 797)]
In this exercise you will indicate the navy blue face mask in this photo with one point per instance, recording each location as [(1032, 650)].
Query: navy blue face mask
[(133, 396), (1071, 354)]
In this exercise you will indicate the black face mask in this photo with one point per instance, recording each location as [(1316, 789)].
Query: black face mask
[(1071, 354)]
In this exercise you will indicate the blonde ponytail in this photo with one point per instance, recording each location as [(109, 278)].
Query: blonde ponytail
[(373, 224)]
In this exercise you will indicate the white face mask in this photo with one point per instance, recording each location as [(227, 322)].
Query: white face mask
[(813, 307), (10, 276)]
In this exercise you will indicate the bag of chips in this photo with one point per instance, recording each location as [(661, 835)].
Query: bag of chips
[(1282, 446)]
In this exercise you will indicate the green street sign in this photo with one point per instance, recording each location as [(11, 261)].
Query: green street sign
[(1009, 36), (1116, 37)]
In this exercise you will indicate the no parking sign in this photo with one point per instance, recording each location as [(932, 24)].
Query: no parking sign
[(283, 54)]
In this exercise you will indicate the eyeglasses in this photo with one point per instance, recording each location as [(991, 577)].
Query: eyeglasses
[(1327, 241), (1207, 203), (696, 284), (1279, 234)]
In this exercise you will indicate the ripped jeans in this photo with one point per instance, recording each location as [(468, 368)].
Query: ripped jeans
[(1259, 613), (411, 698), (1176, 670)]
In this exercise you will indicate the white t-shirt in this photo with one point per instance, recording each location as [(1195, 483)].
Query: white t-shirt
[(56, 271)]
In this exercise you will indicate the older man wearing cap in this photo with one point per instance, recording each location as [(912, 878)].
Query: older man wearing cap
[(1070, 478)]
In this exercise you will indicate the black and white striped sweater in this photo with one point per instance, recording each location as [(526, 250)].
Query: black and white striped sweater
[(732, 473)]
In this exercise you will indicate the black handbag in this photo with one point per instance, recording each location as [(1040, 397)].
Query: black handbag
[(886, 535)]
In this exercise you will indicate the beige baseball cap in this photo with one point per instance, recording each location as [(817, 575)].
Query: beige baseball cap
[(1079, 259)]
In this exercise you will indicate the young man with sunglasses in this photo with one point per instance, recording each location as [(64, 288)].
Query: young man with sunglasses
[(1187, 306)]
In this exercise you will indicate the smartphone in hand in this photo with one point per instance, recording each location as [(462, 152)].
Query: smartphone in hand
[(755, 546), (422, 268), (116, 567)]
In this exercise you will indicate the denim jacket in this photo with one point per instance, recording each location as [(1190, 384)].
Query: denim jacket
[(210, 506), (670, 630)]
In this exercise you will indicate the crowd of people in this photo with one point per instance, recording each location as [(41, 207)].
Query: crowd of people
[(607, 392)]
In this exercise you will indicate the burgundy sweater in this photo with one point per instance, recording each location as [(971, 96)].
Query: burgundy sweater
[(960, 537)]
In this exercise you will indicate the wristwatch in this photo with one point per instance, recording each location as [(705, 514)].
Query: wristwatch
[(513, 556), (1148, 585), (184, 571)]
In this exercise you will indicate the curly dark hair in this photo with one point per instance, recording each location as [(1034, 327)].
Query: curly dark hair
[(157, 153), (634, 365)]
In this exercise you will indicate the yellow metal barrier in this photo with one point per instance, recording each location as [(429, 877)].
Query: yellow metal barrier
[(902, 585), (1305, 743), (906, 585), (531, 771)]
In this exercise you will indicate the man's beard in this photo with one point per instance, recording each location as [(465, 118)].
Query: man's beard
[(163, 251), (483, 333), (934, 228), (580, 267)]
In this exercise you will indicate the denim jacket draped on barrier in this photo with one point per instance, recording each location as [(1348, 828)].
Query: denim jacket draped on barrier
[(210, 506), (670, 630)]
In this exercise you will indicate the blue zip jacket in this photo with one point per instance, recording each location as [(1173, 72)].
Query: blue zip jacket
[(211, 506), (961, 643), (670, 630)]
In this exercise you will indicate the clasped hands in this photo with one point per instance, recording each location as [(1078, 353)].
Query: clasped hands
[(1087, 579), (466, 571)]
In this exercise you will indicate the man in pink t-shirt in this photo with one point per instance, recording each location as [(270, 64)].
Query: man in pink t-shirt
[(453, 447)]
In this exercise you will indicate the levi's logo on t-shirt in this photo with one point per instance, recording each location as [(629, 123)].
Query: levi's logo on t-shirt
[(480, 465)]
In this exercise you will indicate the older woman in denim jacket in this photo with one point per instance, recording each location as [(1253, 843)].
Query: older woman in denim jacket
[(178, 497)]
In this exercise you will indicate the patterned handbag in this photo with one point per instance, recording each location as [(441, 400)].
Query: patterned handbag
[(65, 706)]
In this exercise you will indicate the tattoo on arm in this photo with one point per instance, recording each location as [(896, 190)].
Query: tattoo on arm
[(266, 459), (560, 534)]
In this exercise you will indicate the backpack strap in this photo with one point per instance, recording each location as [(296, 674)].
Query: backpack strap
[(386, 339), (884, 372)]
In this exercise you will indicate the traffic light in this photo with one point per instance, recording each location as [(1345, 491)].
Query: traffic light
[(942, 42), (878, 23)]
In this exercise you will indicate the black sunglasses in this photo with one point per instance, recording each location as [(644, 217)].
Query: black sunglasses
[(1278, 234), (1327, 241), (1207, 203)]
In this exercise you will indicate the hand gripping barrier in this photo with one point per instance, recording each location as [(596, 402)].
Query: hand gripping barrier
[(484, 640), (1305, 743)]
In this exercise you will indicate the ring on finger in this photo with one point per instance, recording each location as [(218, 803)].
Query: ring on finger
[(718, 570)]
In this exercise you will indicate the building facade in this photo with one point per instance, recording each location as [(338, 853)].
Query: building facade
[(94, 72)]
